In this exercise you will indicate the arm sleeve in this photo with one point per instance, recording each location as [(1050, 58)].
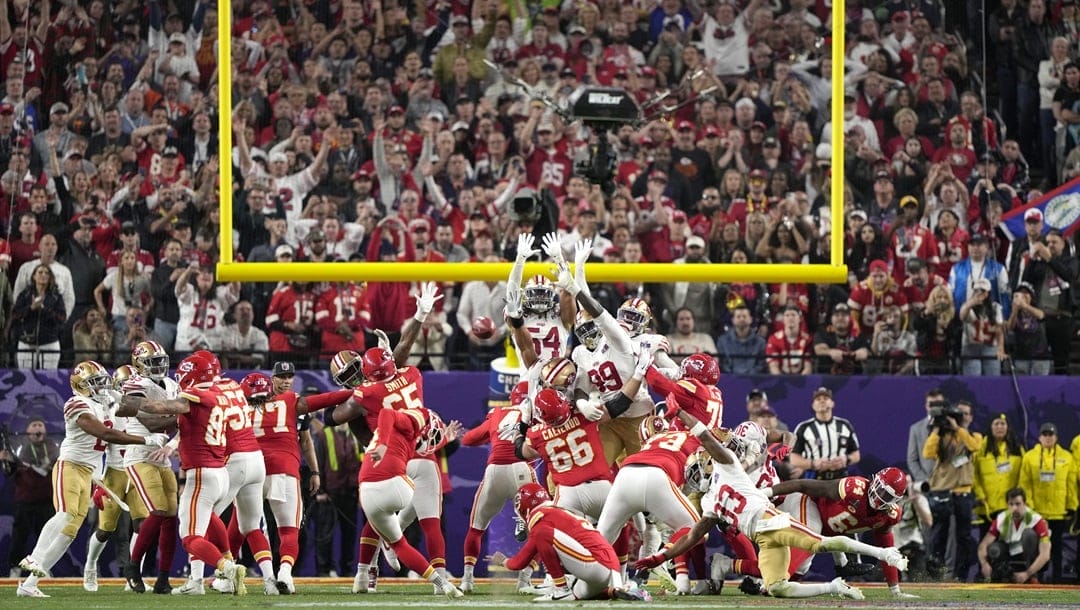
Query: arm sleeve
[(523, 557), (321, 401), (660, 384), (477, 436), (884, 539), (615, 334)]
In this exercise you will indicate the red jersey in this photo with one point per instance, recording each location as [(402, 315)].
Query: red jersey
[(961, 160), (551, 526), (288, 305), (202, 428), (554, 168), (549, 52), (404, 391), (342, 303), (239, 434), (573, 451), (915, 241), (852, 514), (918, 294), (789, 355), (668, 452), (952, 250), (397, 430), (144, 261), (502, 452), (275, 429), (702, 401), (870, 304)]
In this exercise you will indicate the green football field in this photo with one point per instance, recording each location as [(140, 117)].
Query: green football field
[(326, 593)]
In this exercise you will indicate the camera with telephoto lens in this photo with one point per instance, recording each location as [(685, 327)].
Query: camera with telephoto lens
[(941, 411)]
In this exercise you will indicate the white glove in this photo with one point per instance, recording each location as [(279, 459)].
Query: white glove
[(513, 301), (525, 248), (582, 251), (590, 409), (566, 280), (156, 440), (425, 301), (508, 431), (553, 248), (384, 341), (644, 361)]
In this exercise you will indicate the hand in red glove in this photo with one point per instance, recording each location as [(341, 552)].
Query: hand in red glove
[(650, 562), (671, 406), (100, 497), (779, 451)]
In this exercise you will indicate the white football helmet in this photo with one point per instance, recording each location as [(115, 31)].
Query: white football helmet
[(635, 315), (539, 295), (748, 443), (587, 330)]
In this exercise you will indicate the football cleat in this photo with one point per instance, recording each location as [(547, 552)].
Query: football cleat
[(191, 587), (895, 558), (845, 590), (236, 573), (632, 593), (25, 590), (720, 567), (467, 584), (390, 555), (89, 580), (161, 585), (270, 586), (134, 579), (222, 585)]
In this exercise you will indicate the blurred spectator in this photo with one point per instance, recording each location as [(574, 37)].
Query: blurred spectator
[(872, 296), (1053, 273), (869, 246), (163, 287), (342, 316), (203, 304), (47, 248), (918, 285), (93, 337), (909, 239), (29, 461), (36, 321), (135, 331), (243, 345), (1021, 249), (983, 344), (25, 248), (893, 347), (685, 340), (1027, 344), (482, 299), (938, 330), (1048, 476), (840, 351), (741, 349), (127, 288), (789, 350), (978, 266), (1032, 41), (695, 296), (952, 240)]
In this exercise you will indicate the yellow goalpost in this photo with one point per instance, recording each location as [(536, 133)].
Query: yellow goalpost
[(230, 270)]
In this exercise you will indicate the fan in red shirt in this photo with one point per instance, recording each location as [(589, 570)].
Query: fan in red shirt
[(957, 152), (654, 210), (342, 314), (201, 408), (790, 350), (908, 239), (385, 489), (504, 475), (544, 162), (566, 543), (873, 295), (849, 506)]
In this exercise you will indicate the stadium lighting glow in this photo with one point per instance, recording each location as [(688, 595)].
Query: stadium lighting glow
[(230, 270)]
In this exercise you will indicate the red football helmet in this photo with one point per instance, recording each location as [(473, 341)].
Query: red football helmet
[(257, 387), (553, 408), (528, 497), (519, 393), (432, 436), (378, 364), (702, 367), (887, 487), (200, 367)]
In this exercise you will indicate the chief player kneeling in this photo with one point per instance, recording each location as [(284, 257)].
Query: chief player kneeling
[(582, 564)]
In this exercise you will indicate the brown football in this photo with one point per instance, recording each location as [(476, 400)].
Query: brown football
[(483, 327)]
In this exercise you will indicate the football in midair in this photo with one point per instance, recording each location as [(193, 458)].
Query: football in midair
[(483, 327)]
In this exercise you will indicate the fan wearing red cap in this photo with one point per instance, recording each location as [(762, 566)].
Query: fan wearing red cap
[(690, 160), (873, 295)]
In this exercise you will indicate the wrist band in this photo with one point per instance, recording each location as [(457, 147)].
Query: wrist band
[(517, 322), (698, 429)]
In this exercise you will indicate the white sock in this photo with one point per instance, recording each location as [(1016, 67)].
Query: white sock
[(809, 589), (362, 568), (56, 550), (47, 537), (132, 540), (850, 545), (266, 567), (198, 569), (285, 571), (31, 581), (467, 573), (93, 551)]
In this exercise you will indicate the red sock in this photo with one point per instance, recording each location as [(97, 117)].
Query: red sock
[(290, 544), (369, 540), (410, 557), (259, 545), (680, 561), (741, 546), (798, 556), (202, 549), (473, 539), (747, 567), (697, 560), (436, 543), (148, 532), (166, 545), (236, 537), (622, 543), (217, 534)]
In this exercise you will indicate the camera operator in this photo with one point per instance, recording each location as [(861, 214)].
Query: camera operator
[(951, 482), (1017, 545)]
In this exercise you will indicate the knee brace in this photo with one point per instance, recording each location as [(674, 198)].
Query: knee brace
[(74, 522)]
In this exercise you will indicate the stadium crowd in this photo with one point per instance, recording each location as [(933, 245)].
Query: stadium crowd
[(379, 131)]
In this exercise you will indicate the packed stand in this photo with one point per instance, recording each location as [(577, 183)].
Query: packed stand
[(381, 132)]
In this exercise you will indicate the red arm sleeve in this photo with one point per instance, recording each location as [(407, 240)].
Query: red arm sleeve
[(477, 436), (884, 539), (326, 399), (658, 383), (523, 557)]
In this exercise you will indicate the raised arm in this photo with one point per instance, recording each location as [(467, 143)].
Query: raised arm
[(425, 302)]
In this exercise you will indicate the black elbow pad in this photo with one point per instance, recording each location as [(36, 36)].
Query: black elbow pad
[(328, 415), (618, 405), (519, 445)]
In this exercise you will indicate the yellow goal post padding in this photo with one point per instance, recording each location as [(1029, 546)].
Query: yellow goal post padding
[(230, 270)]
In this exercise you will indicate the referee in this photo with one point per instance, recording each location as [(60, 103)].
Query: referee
[(825, 446)]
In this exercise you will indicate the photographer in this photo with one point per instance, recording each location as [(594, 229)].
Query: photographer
[(28, 461), (1053, 273), (951, 482), (1017, 545)]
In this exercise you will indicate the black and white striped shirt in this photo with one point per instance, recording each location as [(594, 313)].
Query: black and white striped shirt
[(817, 440)]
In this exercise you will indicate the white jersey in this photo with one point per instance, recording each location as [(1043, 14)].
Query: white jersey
[(137, 385), (733, 497), (607, 368), (550, 336), (765, 475), (114, 457), (202, 319), (78, 446)]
